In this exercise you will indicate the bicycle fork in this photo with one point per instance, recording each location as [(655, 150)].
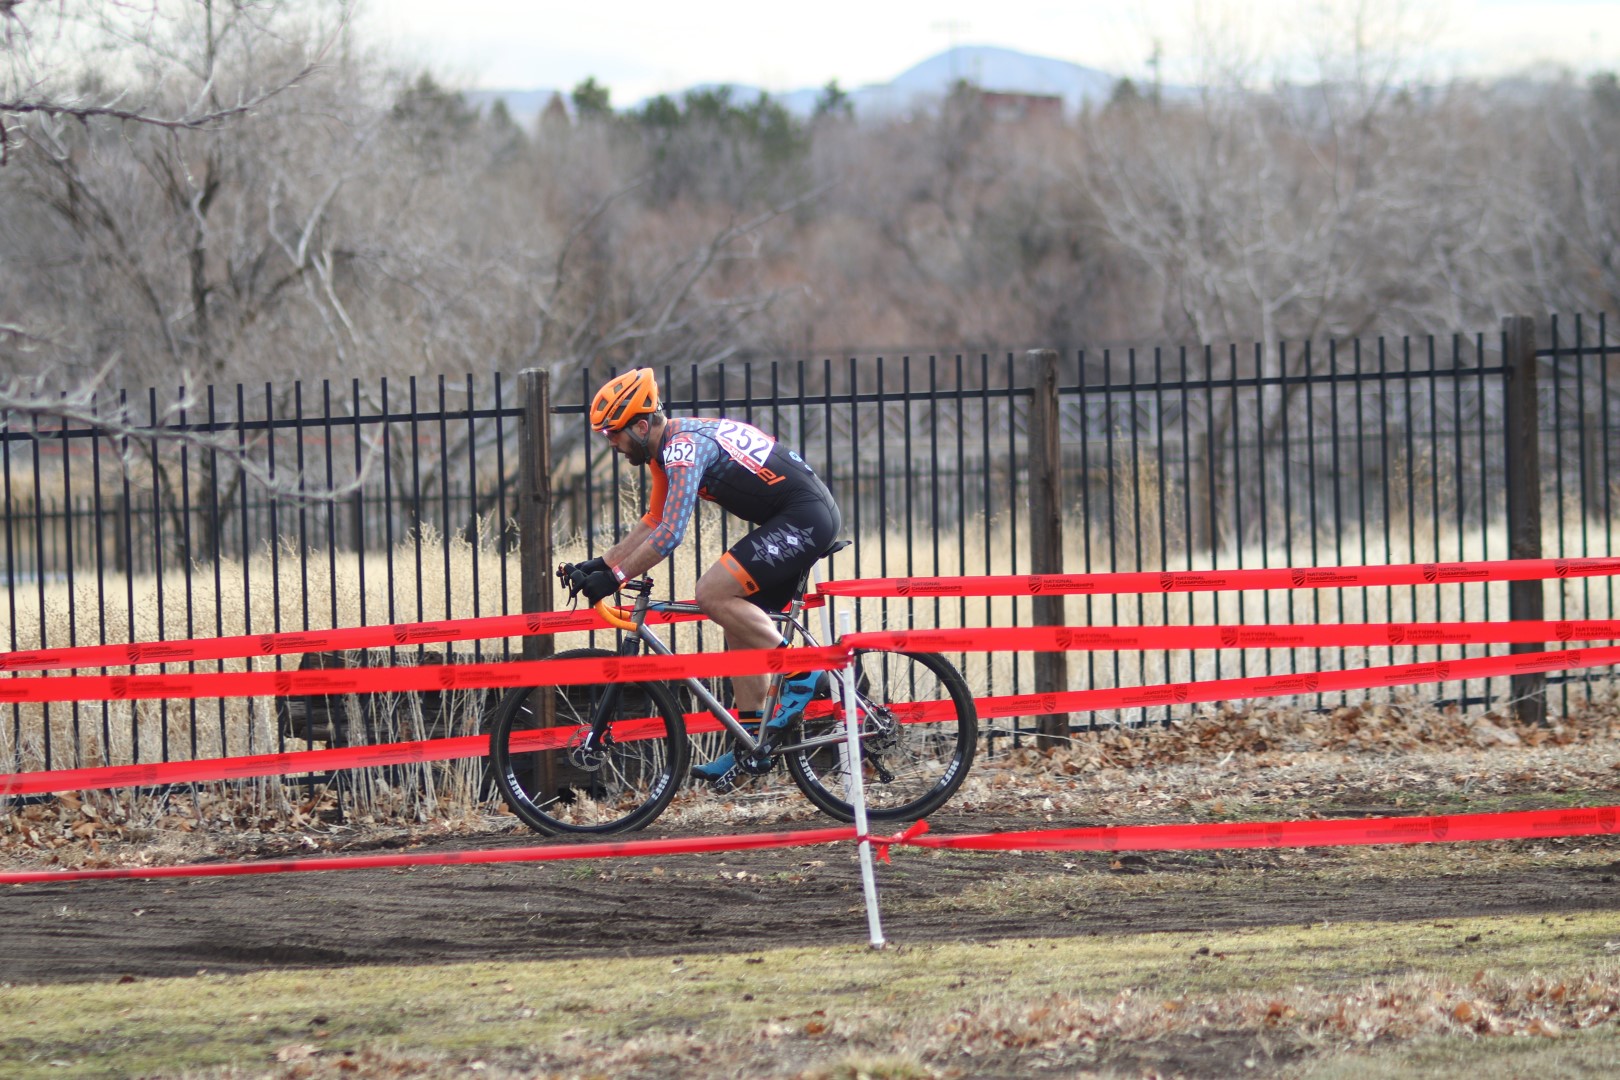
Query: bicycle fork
[(591, 751)]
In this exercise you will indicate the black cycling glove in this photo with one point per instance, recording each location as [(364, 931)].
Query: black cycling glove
[(596, 586), (565, 572)]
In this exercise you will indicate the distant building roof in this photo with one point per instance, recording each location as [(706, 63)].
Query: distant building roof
[(1009, 106)]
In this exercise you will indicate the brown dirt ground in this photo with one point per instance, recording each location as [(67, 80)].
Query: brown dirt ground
[(1253, 767), (700, 903)]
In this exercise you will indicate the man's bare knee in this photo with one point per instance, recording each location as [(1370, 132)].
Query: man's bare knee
[(746, 625), (711, 595)]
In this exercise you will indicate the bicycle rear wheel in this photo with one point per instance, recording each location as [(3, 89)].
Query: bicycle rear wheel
[(919, 731), (555, 789)]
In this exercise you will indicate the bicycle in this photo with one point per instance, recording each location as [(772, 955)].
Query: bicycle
[(625, 747)]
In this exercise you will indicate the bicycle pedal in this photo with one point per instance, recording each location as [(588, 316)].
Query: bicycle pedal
[(757, 764)]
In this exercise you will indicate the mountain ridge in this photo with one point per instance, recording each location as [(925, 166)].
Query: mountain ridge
[(989, 67)]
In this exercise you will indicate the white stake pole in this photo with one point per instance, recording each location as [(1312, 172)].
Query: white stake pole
[(856, 790)]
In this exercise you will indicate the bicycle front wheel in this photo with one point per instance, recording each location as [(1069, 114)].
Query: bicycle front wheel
[(919, 731), (554, 787)]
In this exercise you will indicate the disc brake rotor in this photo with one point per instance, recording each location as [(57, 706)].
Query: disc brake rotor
[(582, 757)]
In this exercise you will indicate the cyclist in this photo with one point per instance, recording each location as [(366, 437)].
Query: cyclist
[(747, 473)]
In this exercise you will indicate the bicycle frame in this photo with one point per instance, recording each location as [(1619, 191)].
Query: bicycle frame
[(643, 636)]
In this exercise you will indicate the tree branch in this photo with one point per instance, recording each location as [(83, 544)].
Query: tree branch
[(46, 413)]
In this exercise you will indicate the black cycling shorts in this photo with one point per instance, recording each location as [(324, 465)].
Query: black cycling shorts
[(770, 561)]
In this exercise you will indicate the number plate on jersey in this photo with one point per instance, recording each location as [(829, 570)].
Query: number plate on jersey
[(747, 445)]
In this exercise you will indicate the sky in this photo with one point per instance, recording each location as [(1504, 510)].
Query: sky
[(638, 48)]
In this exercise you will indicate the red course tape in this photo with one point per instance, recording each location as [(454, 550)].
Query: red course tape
[(299, 762), (1322, 577), (554, 672), (1147, 638), (497, 626), (697, 722), (1513, 825), (429, 677), (1310, 682), (1588, 821), (290, 763), (559, 853), (302, 641)]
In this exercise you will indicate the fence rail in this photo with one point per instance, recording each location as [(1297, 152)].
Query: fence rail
[(1356, 452)]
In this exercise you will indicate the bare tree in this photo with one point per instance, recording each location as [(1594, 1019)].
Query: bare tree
[(372, 222), (122, 126), (40, 79)]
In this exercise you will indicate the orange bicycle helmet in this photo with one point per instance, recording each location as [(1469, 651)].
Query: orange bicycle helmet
[(624, 399)]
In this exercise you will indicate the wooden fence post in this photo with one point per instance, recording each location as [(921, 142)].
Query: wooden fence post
[(534, 505), (1046, 531), (1526, 599)]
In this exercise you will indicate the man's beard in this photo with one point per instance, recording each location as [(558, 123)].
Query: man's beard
[(638, 451)]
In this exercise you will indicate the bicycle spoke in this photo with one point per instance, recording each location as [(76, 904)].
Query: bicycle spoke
[(624, 785), (918, 734)]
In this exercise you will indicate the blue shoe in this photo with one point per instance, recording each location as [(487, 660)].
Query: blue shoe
[(723, 774), (797, 690)]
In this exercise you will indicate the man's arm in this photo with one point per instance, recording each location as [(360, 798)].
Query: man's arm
[(634, 556), (676, 475)]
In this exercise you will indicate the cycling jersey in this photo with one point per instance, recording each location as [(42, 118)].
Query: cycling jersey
[(747, 473), (727, 462)]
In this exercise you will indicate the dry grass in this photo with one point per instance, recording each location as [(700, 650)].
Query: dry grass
[(1288, 1001)]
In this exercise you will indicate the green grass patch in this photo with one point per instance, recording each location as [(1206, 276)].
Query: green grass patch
[(1421, 995)]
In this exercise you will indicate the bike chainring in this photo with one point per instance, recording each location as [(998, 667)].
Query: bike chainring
[(756, 764)]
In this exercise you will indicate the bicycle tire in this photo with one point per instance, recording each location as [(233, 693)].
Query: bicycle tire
[(635, 779), (910, 768)]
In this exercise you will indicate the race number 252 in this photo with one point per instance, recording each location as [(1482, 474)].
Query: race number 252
[(748, 445), (680, 452)]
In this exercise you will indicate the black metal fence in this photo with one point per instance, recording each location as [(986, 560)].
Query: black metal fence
[(1359, 452), (219, 526)]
